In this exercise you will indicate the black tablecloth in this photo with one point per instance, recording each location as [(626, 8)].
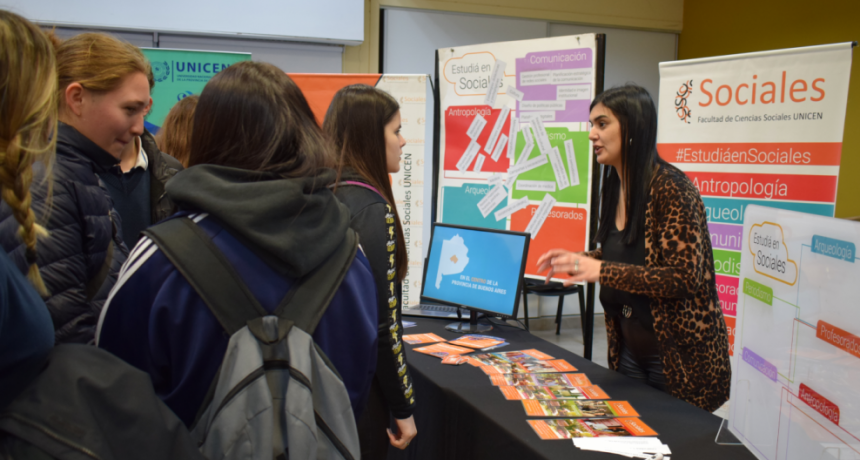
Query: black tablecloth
[(461, 415)]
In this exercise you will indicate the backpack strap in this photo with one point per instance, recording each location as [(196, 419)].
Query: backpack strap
[(310, 299), (208, 271)]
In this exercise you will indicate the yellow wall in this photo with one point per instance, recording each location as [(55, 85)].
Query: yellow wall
[(742, 26), (659, 15)]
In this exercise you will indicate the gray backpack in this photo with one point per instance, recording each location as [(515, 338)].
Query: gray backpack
[(276, 394)]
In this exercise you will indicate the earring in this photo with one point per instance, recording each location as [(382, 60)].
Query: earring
[(631, 141)]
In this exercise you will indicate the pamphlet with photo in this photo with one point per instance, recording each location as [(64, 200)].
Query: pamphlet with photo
[(568, 428), (555, 392), (574, 408), (529, 367), (541, 380)]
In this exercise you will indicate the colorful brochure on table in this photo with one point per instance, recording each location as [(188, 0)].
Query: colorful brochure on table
[(529, 367), (547, 393), (568, 428), (414, 339), (477, 341), (508, 357), (441, 350), (574, 408), (541, 380)]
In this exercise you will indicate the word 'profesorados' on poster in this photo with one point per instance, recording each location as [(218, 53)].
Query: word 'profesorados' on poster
[(514, 149)]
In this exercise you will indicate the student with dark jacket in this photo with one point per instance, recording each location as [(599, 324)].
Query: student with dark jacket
[(103, 95), (364, 125), (257, 187), (136, 186)]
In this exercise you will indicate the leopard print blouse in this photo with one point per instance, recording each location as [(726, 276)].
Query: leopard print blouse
[(679, 278)]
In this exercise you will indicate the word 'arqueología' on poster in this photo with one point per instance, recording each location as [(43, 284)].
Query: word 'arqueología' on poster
[(529, 100)]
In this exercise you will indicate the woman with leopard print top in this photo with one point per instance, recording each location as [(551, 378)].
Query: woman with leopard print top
[(655, 265)]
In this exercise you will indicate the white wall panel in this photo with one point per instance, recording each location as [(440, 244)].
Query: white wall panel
[(411, 37), (631, 55)]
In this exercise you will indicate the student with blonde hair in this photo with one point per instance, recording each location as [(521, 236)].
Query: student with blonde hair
[(28, 115), (102, 96)]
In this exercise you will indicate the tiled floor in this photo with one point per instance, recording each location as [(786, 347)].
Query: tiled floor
[(571, 339)]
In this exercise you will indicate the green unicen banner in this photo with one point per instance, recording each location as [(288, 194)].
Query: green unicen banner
[(180, 73)]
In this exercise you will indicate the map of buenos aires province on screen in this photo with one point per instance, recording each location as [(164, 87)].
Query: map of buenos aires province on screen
[(453, 260)]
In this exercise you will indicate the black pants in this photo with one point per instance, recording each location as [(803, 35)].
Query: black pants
[(640, 353), (372, 436)]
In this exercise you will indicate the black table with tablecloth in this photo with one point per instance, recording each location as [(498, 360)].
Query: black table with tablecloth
[(461, 415)]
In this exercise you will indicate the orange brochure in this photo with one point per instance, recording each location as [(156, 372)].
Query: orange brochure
[(477, 341), (508, 357), (574, 408), (529, 367), (414, 339), (441, 350), (546, 393), (541, 380), (567, 428)]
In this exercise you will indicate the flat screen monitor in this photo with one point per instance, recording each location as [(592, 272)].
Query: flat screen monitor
[(476, 268)]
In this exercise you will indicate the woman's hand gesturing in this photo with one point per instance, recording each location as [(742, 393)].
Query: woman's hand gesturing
[(579, 267)]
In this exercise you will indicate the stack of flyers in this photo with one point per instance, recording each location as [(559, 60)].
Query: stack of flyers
[(568, 428), (508, 357), (414, 339), (574, 408), (477, 341), (540, 380), (441, 350), (546, 393), (454, 360), (529, 367)]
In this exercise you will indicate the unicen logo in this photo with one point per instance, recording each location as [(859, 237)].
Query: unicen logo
[(160, 71), (681, 97), (183, 95)]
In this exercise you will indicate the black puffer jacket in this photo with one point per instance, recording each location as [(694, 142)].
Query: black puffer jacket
[(82, 225)]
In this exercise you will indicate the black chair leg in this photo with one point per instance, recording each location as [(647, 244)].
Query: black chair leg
[(588, 332), (526, 305), (558, 314)]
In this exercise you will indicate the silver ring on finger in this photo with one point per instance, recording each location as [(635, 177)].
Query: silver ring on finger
[(576, 267)]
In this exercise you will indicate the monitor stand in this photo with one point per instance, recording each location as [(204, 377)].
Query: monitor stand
[(472, 326)]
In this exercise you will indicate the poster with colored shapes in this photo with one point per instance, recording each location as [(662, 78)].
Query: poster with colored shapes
[(574, 408), (760, 128), (180, 73), (797, 337), (533, 95), (590, 428)]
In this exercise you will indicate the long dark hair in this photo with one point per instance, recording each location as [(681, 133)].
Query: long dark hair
[(252, 116), (355, 124), (635, 111)]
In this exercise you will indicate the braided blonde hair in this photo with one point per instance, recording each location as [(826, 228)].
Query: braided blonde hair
[(28, 122)]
